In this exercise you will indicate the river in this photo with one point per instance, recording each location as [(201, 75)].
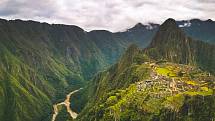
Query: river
[(66, 103)]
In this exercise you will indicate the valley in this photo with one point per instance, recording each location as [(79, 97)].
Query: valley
[(66, 103), (146, 72), (107, 60)]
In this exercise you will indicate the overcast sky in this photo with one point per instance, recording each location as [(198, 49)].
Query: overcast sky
[(113, 15)]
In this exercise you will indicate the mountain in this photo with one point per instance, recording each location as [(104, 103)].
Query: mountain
[(199, 29), (140, 34), (166, 81), (41, 62), (37, 66), (144, 89), (172, 44), (112, 45)]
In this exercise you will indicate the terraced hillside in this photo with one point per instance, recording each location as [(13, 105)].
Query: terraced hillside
[(165, 91), (167, 81)]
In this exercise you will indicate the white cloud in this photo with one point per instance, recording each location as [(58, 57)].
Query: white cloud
[(186, 24), (114, 15)]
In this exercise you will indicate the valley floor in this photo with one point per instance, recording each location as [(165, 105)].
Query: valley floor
[(66, 103)]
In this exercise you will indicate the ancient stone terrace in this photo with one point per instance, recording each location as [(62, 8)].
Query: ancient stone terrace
[(170, 79)]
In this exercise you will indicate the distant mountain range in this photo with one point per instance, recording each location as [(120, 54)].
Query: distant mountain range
[(198, 29), (41, 62)]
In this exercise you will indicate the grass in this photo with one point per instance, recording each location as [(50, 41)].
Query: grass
[(202, 93), (165, 72), (192, 83), (174, 102)]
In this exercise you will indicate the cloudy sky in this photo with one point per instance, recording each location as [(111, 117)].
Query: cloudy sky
[(113, 15)]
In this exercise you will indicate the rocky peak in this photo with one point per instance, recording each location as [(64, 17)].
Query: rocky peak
[(170, 23), (172, 44), (169, 32)]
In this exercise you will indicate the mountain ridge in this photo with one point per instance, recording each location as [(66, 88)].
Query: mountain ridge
[(138, 86), (42, 62), (48, 61)]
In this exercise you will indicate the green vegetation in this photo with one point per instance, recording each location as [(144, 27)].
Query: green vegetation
[(158, 93), (40, 63), (165, 72), (160, 83), (36, 70)]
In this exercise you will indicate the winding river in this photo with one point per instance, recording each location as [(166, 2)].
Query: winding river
[(66, 103)]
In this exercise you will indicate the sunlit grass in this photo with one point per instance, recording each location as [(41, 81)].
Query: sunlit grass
[(165, 72)]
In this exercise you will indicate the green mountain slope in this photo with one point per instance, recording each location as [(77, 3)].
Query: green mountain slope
[(141, 89), (40, 63), (163, 82), (112, 45)]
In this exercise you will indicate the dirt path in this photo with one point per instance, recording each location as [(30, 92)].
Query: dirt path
[(67, 104)]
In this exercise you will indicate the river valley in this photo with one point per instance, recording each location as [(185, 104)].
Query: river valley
[(66, 103)]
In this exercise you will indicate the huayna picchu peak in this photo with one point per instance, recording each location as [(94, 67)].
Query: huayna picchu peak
[(172, 44), (168, 32), (170, 22)]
